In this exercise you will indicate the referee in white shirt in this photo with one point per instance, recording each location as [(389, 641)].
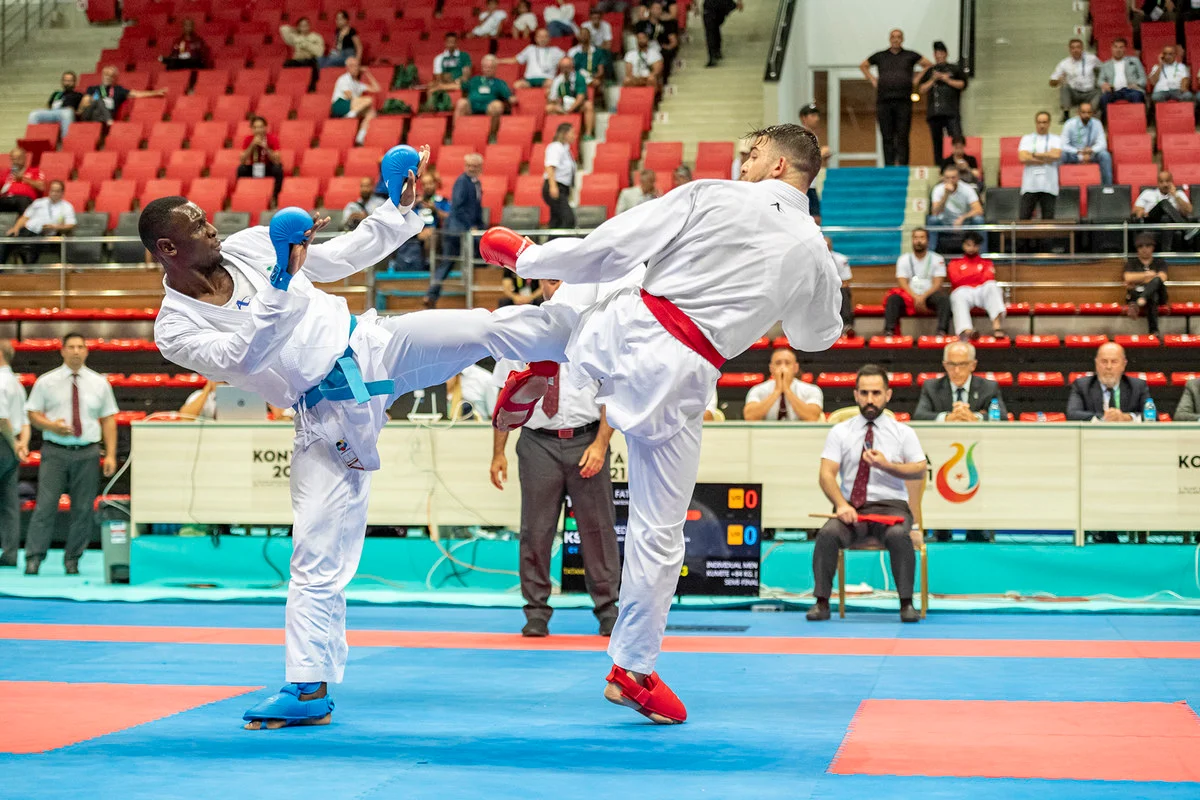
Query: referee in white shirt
[(74, 408), (14, 429), (563, 450), (560, 177), (874, 455)]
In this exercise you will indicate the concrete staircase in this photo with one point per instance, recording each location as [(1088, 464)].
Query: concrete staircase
[(1018, 42), (35, 68), (723, 103)]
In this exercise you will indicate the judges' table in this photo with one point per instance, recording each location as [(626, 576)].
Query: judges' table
[(984, 476)]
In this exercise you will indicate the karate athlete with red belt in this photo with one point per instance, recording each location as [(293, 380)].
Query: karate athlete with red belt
[(725, 261)]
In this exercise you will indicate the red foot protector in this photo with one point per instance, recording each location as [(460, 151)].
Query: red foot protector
[(653, 698), (503, 246), (521, 394)]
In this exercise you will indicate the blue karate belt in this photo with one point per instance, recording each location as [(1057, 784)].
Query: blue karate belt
[(345, 381)]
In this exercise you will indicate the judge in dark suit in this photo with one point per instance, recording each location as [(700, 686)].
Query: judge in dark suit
[(1188, 409), (1109, 395), (958, 396)]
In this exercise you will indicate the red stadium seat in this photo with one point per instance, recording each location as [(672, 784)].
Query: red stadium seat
[(472, 132), (98, 166), (209, 137), (1182, 340), (529, 193), (313, 107), (849, 343), (231, 108), (338, 134), (57, 166), (320, 163), (293, 81), (124, 137), (714, 155), (600, 189), (142, 166), (517, 130), (1181, 378), (1126, 118), (530, 103), (1132, 148), (209, 194), (613, 158), (638, 100), (114, 198), (384, 132), (1129, 342), (762, 343), (224, 166), (1090, 342), (1043, 416), (869, 310), (1004, 379), (1018, 309), (274, 108), (252, 195), (1137, 175), (1081, 175), (363, 162), (891, 342), (627, 129), (1174, 118), (190, 109), (83, 137), (252, 82), (1155, 380), (1035, 342), (900, 380), (1010, 147), (503, 161), (1101, 309), (427, 130), (167, 137), (1011, 176), (78, 194), (161, 187), (450, 160), (338, 192), (296, 134), (1053, 309), (186, 165), (494, 189), (662, 157), (1040, 379), (972, 147), (836, 380), (44, 131), (739, 380), (299, 191), (937, 342)]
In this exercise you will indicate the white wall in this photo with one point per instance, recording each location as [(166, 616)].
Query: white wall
[(842, 33)]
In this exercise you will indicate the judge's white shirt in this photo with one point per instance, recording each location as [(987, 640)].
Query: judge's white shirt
[(920, 272), (1040, 177), (897, 442), (51, 396), (805, 391)]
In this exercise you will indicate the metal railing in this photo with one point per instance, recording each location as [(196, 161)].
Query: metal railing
[(966, 36), (18, 19), (780, 34)]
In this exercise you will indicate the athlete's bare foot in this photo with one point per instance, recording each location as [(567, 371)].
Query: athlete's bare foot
[(612, 693), (276, 724)]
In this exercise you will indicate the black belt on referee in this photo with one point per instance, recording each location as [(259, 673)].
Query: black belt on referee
[(566, 433), (72, 446)]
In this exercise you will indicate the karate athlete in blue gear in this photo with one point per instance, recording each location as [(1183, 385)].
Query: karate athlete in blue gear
[(246, 312)]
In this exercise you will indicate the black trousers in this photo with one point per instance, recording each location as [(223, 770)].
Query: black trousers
[(1154, 292), (76, 472), (28, 252), (1043, 200), (894, 309), (10, 503), (1165, 211), (940, 127), (273, 170), (847, 310), (14, 202), (836, 535), (549, 471), (714, 17), (561, 213), (895, 124)]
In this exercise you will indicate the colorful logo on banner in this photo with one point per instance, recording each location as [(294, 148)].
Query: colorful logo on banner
[(960, 468)]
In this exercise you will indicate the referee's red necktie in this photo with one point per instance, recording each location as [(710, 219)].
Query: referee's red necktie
[(858, 495), (76, 420), (550, 401)]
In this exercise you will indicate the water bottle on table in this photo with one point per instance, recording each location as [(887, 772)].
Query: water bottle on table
[(994, 410), (1150, 411)]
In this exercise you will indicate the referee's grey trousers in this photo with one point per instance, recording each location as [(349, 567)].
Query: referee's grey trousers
[(836, 535), (71, 470), (548, 469)]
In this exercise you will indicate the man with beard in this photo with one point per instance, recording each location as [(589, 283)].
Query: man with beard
[(873, 455)]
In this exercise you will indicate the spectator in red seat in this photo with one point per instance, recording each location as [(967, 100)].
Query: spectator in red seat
[(598, 29), (920, 275), (560, 19), (783, 396), (943, 84), (1039, 152), (359, 209), (307, 45), (645, 191), (1145, 276), (525, 22), (490, 20), (22, 185), (568, 94), (14, 425), (260, 154), (1109, 395), (1084, 142), (46, 216), (352, 96), (102, 102), (188, 51), (74, 408), (1170, 78), (1166, 203), (893, 94), (663, 30), (952, 204), (61, 106), (485, 94), (346, 42), (1121, 78), (968, 166), (560, 177), (595, 63), (973, 284), (540, 60), (451, 66), (845, 275), (1075, 78), (643, 64)]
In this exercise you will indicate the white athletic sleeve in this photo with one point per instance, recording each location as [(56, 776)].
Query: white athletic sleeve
[(375, 238), (618, 246), (222, 356), (812, 320)]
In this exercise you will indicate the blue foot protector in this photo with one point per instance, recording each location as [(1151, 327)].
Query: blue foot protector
[(396, 165), (287, 706), (288, 227)]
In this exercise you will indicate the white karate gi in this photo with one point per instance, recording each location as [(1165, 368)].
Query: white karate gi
[(735, 257), (283, 343), (987, 296)]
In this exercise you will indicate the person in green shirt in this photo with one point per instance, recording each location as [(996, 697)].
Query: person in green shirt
[(452, 66), (595, 63), (484, 94), (568, 94)]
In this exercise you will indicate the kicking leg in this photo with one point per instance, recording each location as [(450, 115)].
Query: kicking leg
[(661, 479), (329, 503)]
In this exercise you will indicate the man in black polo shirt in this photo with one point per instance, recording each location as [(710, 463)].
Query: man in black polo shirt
[(1145, 275), (61, 106), (942, 84), (893, 95)]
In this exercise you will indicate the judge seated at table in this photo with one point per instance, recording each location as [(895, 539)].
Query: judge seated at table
[(959, 395), (1110, 395)]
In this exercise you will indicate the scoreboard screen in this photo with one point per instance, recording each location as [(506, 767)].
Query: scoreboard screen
[(722, 535)]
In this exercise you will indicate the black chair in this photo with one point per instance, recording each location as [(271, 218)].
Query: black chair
[(1003, 205), (1107, 205)]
